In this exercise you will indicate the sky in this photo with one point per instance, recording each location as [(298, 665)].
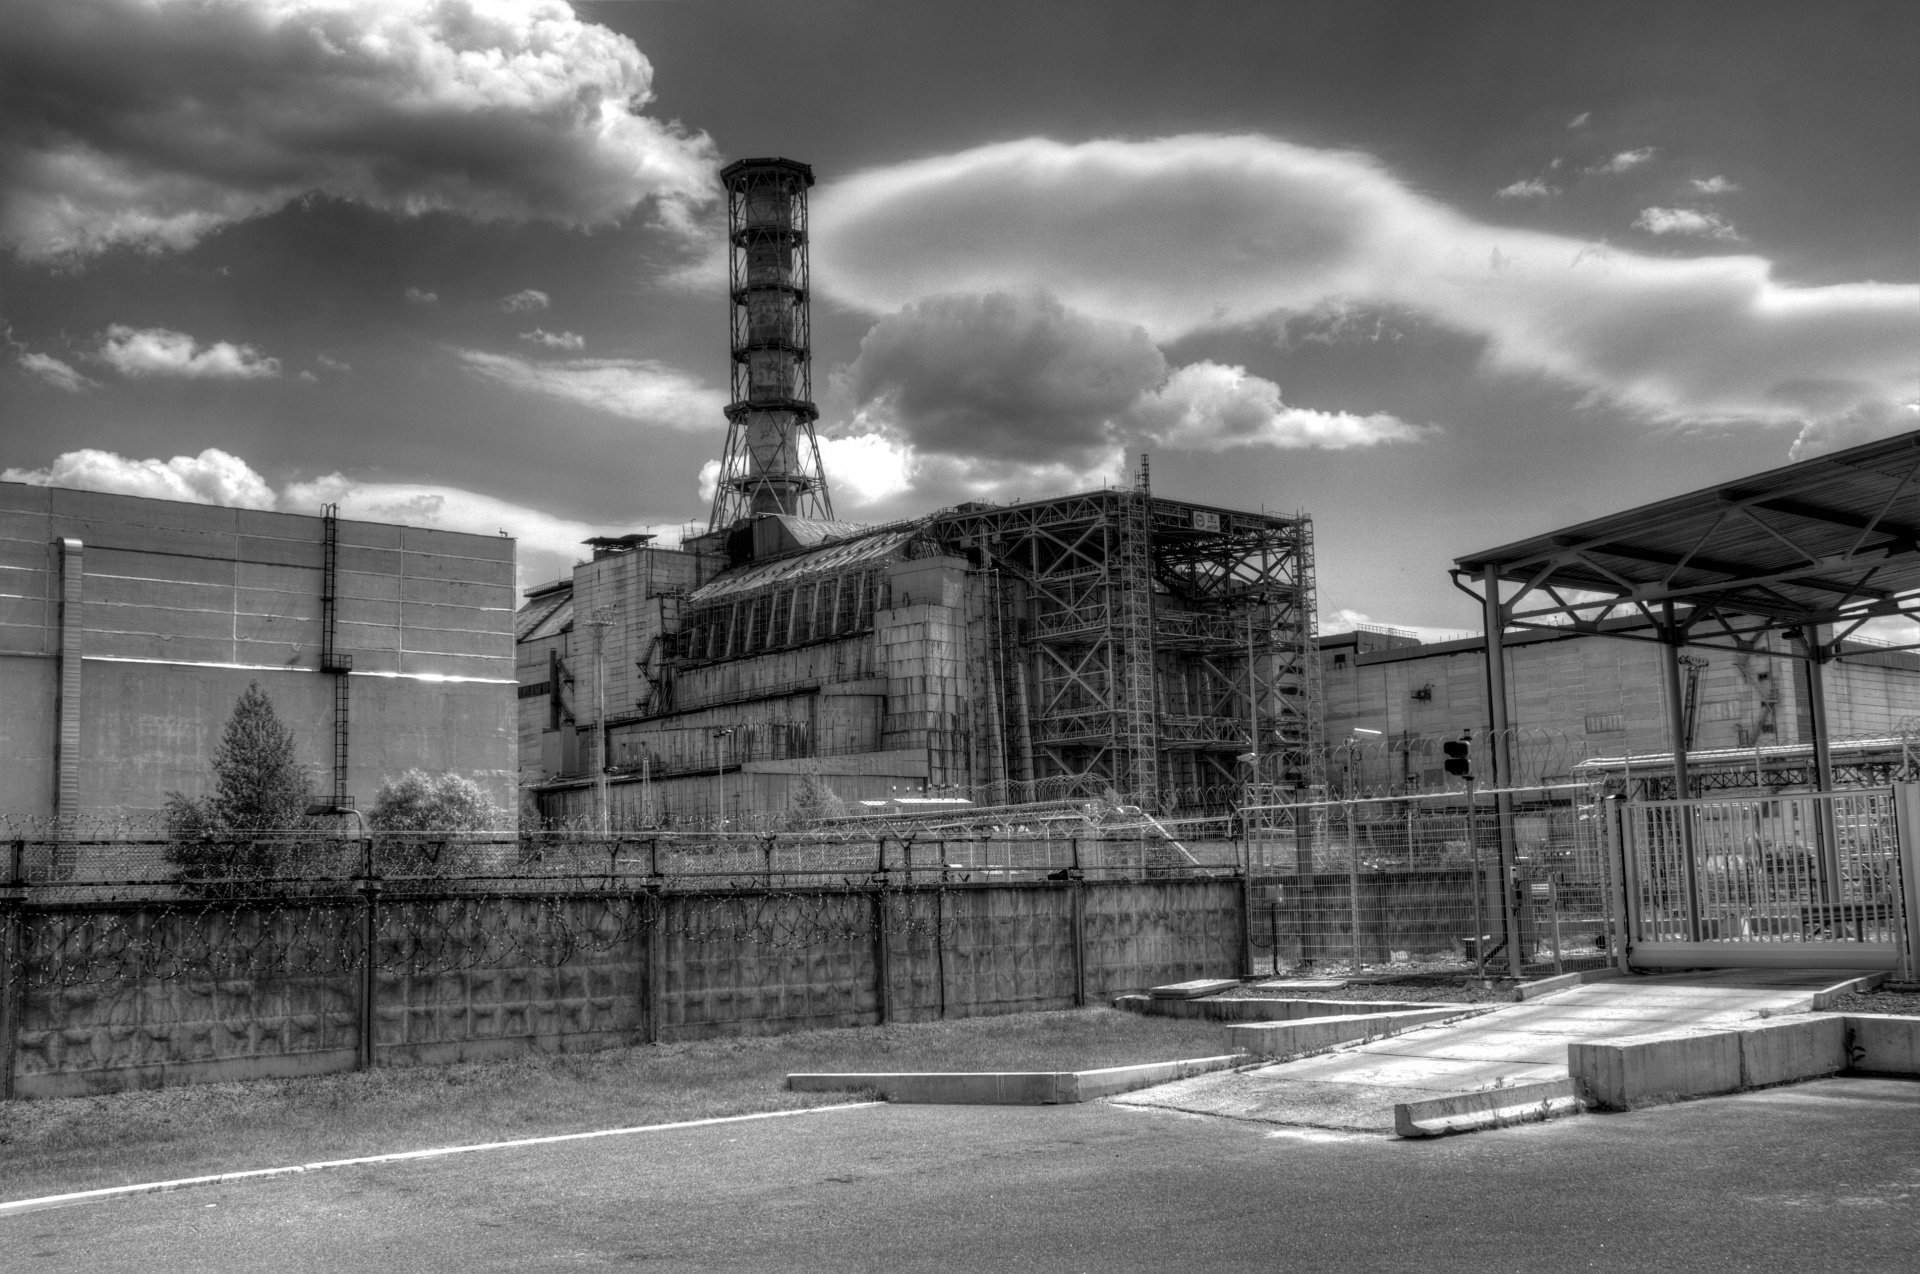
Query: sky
[(1439, 276)]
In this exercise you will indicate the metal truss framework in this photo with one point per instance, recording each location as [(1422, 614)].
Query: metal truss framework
[(1830, 542), (1150, 641)]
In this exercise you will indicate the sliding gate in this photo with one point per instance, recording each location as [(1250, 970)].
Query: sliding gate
[(1817, 880)]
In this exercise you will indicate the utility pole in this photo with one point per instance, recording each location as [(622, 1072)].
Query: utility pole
[(599, 623)]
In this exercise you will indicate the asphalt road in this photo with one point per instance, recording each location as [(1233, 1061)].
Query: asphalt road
[(1822, 1176)]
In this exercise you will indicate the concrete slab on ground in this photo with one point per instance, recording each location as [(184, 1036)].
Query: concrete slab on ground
[(1357, 1086)]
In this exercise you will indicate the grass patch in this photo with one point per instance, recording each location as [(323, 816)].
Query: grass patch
[(83, 1143)]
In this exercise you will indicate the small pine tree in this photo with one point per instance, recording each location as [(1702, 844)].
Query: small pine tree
[(815, 802), (259, 786)]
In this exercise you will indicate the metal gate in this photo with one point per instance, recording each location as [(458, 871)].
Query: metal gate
[(1815, 880)]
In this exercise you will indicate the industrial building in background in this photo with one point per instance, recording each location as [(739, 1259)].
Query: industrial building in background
[(1106, 644)]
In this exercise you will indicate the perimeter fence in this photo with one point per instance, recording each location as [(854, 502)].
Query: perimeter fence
[(1370, 884), (133, 961)]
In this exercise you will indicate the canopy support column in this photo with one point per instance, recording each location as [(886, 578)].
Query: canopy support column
[(1675, 638), (1499, 743)]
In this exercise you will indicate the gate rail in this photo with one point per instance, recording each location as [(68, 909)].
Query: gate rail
[(1794, 880)]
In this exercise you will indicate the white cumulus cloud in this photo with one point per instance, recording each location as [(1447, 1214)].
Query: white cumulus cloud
[(554, 340), (1180, 235), (1623, 161), (418, 296), (1715, 185), (159, 351), (1211, 407), (54, 371), (635, 389), (547, 543), (1686, 221), (525, 301), (152, 123), (1527, 188), (212, 477)]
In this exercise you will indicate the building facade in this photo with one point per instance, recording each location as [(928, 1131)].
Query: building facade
[(129, 627)]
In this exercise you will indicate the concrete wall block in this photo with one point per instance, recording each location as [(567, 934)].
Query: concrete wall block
[(470, 569), (112, 590), (1649, 1070), (1882, 1044), (470, 618), (451, 641), (276, 604), (497, 549), (135, 563), (32, 613), (1791, 1051), (152, 647), (282, 552), (455, 665)]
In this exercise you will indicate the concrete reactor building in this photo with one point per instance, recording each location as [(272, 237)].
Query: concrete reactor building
[(1105, 644)]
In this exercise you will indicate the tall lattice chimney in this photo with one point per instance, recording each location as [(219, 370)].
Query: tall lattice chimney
[(772, 460)]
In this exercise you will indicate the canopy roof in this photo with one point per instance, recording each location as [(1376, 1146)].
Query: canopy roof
[(1834, 540)]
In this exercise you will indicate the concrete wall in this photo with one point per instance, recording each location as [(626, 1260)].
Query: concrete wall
[(174, 608), (236, 992)]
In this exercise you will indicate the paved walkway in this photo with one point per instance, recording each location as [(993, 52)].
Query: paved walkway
[(1356, 1087)]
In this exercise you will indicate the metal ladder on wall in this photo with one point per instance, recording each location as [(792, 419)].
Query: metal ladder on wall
[(332, 660)]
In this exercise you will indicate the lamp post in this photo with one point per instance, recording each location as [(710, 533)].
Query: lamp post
[(1353, 840), (599, 623), (720, 771)]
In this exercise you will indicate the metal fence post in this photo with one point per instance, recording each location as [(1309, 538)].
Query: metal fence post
[(1906, 819), (653, 916), (882, 957), (13, 964), (370, 885)]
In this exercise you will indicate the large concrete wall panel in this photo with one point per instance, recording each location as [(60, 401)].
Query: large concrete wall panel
[(28, 730)]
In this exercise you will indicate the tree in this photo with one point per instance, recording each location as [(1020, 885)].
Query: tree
[(815, 802), (420, 812), (259, 786), (422, 802)]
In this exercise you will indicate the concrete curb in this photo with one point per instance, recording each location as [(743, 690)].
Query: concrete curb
[(1266, 1008), (1012, 1088), (1563, 982), (1280, 1041), (18, 1206), (1488, 1108), (1648, 1070), (1823, 999)]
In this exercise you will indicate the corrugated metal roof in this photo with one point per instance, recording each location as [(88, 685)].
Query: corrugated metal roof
[(1826, 540), (545, 616), (828, 559)]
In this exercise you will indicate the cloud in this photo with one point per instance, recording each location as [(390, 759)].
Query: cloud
[(418, 297), (1010, 375), (56, 373), (158, 351), (333, 364), (868, 468), (1186, 234), (1687, 221), (962, 397), (1868, 422), (1580, 120), (554, 340), (525, 301), (212, 477), (1714, 186), (1527, 188), (635, 389), (548, 543), (1624, 161), (152, 123), (1210, 407)]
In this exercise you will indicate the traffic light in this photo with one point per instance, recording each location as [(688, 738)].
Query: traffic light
[(1459, 760)]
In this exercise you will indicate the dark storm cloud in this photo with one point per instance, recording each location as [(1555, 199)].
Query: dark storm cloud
[(1003, 376), (155, 122)]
